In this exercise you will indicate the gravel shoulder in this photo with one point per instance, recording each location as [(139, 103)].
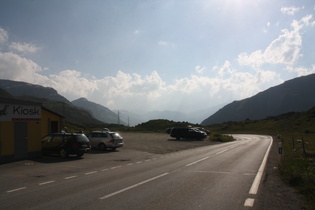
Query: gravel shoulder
[(159, 143), (274, 193)]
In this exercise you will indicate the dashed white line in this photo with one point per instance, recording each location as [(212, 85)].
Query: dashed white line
[(115, 167), (91, 172), (43, 183), (71, 177), (249, 202), (132, 186), (17, 189), (222, 151), (197, 161)]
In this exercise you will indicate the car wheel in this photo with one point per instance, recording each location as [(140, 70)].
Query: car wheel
[(63, 153), (102, 146), (80, 154)]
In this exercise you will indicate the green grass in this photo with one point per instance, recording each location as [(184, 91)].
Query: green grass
[(220, 137)]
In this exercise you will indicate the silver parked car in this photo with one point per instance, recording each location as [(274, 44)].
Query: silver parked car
[(104, 140)]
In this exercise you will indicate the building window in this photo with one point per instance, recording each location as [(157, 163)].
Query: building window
[(54, 126)]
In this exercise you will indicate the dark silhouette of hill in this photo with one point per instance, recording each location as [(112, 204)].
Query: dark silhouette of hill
[(294, 95)]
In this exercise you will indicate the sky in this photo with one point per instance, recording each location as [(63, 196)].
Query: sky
[(148, 55)]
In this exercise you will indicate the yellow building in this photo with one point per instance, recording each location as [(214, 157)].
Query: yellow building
[(22, 124)]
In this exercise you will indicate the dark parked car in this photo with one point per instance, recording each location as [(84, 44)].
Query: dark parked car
[(65, 144), (168, 130), (204, 130), (188, 133)]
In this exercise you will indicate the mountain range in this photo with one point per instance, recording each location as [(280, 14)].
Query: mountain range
[(294, 95)]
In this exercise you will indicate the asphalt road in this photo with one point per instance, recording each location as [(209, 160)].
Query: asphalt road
[(220, 176)]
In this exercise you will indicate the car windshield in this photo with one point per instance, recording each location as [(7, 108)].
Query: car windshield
[(82, 138)]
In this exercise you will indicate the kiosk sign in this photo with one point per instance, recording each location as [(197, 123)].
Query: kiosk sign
[(19, 113)]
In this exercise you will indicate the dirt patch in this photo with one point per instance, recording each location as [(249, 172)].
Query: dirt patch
[(159, 143)]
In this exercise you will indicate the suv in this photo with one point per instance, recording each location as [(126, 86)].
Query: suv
[(188, 133), (65, 144), (103, 140)]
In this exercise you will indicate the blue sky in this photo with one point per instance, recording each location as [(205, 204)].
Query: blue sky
[(149, 55)]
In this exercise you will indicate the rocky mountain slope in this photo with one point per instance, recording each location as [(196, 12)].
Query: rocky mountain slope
[(293, 95)]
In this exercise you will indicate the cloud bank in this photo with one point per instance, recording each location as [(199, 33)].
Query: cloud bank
[(206, 86)]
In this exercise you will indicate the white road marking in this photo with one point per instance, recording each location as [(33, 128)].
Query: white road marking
[(105, 169), (46, 182), (132, 186), (17, 189), (197, 161), (254, 188), (91, 172), (71, 177), (222, 151), (115, 167), (249, 202)]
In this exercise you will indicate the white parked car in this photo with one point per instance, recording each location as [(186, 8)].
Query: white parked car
[(104, 140)]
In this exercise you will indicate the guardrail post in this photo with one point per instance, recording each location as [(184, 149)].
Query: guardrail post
[(280, 148)]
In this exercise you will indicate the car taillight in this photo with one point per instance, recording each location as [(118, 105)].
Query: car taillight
[(111, 141), (75, 145)]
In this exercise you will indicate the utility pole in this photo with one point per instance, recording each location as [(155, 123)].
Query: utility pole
[(128, 121)]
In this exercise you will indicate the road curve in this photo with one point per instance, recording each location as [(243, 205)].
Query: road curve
[(220, 176)]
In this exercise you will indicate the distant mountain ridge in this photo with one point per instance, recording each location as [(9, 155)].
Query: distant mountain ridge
[(293, 95), (27, 89), (98, 111)]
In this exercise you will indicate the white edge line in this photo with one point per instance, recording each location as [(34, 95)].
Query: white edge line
[(132, 186), (254, 188), (17, 189)]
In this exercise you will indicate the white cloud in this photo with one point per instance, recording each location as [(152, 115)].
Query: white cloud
[(290, 10), (3, 36), (301, 71), (200, 69), (283, 50), (224, 83), (141, 93), (15, 67), (23, 47), (166, 44)]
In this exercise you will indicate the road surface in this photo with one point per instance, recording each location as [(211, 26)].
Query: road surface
[(220, 176)]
